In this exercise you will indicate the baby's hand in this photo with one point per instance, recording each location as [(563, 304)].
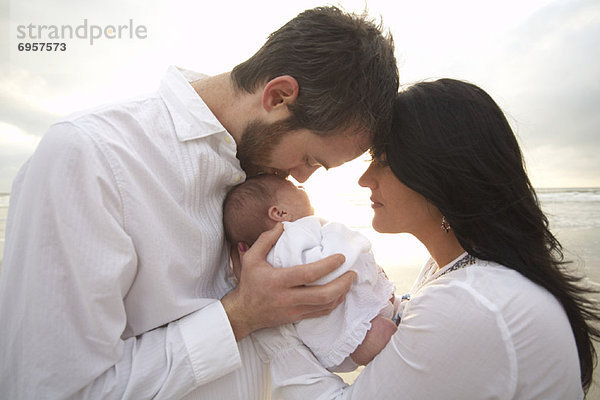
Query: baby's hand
[(382, 329)]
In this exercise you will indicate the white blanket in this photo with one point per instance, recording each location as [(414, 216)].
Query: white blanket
[(333, 337)]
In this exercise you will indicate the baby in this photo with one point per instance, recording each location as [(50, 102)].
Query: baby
[(357, 330)]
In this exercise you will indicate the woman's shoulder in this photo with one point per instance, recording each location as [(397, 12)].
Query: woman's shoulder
[(499, 287), (489, 293), (509, 329), (490, 296), (503, 286)]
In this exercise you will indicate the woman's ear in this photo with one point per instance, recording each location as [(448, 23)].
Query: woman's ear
[(279, 91), (277, 213)]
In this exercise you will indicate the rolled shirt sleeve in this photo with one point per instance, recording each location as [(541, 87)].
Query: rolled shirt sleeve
[(210, 344)]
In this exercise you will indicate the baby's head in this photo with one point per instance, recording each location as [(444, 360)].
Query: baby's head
[(259, 203)]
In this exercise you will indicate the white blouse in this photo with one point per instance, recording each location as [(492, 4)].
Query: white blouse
[(479, 332)]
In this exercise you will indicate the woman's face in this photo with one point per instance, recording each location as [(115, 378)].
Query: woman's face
[(398, 209)]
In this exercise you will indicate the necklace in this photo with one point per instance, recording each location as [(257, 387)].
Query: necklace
[(464, 261)]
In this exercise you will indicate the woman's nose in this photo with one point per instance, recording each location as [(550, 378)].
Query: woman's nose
[(366, 180)]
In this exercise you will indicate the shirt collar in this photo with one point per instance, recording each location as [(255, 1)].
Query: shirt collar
[(191, 116)]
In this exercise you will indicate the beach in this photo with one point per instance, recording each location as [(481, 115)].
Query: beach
[(574, 216)]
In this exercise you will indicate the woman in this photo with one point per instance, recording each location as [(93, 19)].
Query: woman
[(493, 314)]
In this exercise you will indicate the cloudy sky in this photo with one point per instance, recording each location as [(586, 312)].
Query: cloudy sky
[(539, 59)]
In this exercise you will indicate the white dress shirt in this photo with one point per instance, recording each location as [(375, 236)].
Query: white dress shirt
[(115, 260), (481, 332), (332, 338)]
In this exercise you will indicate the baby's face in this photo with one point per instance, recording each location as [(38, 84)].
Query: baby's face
[(295, 201)]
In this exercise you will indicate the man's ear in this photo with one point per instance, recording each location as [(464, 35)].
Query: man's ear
[(276, 213), (279, 91)]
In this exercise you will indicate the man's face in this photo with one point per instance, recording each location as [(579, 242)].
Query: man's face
[(272, 148)]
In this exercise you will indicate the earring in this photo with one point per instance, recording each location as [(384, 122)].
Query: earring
[(445, 225)]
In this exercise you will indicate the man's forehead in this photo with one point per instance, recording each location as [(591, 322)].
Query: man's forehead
[(355, 141)]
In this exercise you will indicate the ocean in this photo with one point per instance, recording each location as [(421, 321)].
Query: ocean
[(574, 216)]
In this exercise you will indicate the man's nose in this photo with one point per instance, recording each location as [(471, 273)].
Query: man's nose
[(301, 174)]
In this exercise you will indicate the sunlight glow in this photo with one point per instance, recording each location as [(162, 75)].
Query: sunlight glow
[(336, 196)]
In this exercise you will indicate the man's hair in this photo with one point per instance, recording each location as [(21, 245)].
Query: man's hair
[(345, 68), (246, 208)]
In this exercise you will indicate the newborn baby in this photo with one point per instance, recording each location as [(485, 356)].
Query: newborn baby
[(357, 330)]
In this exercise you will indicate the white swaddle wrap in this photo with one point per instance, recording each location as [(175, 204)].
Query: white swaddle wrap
[(333, 337)]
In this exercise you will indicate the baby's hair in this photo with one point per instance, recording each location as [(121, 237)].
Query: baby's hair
[(246, 208)]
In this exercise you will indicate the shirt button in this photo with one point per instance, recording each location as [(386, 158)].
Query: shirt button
[(228, 139), (238, 178)]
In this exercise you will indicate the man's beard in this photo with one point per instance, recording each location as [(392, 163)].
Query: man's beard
[(258, 141)]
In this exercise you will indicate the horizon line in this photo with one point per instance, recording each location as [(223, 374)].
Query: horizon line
[(536, 188)]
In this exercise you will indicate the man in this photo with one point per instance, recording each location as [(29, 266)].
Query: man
[(115, 283)]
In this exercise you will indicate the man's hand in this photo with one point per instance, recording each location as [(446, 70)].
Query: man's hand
[(268, 296)]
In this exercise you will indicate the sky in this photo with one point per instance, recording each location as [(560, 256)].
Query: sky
[(539, 59)]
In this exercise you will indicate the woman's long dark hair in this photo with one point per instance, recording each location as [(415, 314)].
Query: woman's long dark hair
[(451, 143)]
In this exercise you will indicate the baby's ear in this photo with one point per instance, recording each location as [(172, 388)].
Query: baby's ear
[(277, 213)]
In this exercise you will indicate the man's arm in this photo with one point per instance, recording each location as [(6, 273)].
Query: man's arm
[(268, 296), (68, 266)]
